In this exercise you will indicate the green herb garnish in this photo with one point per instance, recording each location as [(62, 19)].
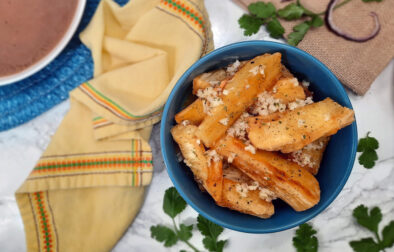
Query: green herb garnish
[(370, 220), (174, 204), (210, 231), (305, 239), (368, 146)]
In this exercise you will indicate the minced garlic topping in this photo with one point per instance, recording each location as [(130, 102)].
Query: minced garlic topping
[(239, 128), (225, 92), (185, 122), (300, 103), (295, 82), (210, 98), (305, 84), (317, 145), (266, 194), (302, 158), (267, 104), (257, 69), (212, 155), (254, 186), (224, 121), (214, 82), (242, 189), (231, 157), (233, 68), (250, 148)]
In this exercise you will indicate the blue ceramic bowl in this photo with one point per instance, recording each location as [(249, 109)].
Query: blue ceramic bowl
[(338, 158)]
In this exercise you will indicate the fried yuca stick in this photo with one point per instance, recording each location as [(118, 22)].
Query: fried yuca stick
[(194, 113), (211, 177), (290, 182), (259, 74), (215, 180), (251, 204), (298, 128), (224, 192), (209, 79), (193, 152), (311, 155), (288, 90)]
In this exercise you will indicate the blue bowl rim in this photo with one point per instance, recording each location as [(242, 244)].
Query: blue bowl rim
[(236, 45)]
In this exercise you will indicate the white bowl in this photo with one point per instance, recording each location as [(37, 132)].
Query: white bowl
[(8, 79)]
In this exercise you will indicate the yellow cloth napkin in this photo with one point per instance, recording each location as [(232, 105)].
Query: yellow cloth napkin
[(89, 184)]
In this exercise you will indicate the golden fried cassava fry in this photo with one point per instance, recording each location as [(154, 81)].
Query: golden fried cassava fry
[(311, 155), (194, 113), (290, 182), (192, 151), (215, 180), (233, 173), (208, 79), (251, 204), (259, 74), (299, 127), (288, 90)]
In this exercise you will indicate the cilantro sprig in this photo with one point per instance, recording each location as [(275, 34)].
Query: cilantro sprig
[(305, 239), (370, 219), (368, 146), (210, 231), (266, 14), (173, 205)]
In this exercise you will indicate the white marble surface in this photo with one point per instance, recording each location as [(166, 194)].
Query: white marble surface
[(21, 147)]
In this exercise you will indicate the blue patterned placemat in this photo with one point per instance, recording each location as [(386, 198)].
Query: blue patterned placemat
[(26, 99)]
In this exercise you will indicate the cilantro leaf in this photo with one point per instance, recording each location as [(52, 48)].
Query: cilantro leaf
[(213, 245), (250, 24), (262, 10), (388, 235), (316, 21), (163, 234), (208, 228), (304, 240), (173, 204), (367, 143), (185, 232), (291, 12), (275, 29), (211, 231), (367, 146), (369, 221), (298, 33), (368, 158), (367, 1), (365, 245)]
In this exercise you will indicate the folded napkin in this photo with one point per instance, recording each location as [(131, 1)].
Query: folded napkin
[(89, 184), (355, 64)]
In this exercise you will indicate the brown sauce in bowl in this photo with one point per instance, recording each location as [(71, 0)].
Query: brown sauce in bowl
[(30, 29)]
